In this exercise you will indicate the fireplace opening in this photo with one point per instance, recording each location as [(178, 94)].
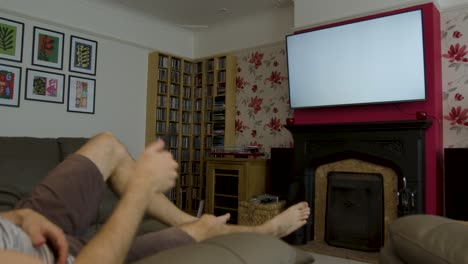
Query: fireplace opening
[(355, 210)]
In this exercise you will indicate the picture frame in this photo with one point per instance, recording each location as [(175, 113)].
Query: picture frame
[(83, 55), (48, 48), (11, 40), (10, 85), (44, 86), (81, 94)]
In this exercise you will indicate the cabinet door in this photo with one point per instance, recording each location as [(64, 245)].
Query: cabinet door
[(223, 189)]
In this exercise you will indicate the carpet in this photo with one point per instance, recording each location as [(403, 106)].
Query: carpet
[(325, 249)]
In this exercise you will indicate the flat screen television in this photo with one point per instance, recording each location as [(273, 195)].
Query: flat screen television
[(371, 61)]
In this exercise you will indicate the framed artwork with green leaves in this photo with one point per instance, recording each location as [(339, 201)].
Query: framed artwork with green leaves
[(44, 86), (83, 54), (47, 48), (11, 40)]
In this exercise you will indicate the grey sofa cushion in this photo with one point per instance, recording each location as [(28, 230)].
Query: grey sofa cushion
[(8, 198), (69, 145), (25, 161), (241, 248)]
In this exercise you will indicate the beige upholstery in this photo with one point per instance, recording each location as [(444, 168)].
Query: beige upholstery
[(426, 239), (233, 249)]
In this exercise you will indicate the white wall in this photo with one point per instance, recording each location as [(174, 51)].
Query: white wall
[(124, 41), (250, 31), (107, 18), (120, 95)]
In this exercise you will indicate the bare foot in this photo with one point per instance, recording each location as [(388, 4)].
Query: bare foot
[(207, 226), (288, 221)]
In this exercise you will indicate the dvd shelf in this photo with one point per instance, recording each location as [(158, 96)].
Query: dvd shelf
[(191, 105)]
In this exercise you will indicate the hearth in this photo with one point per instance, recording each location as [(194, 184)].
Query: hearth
[(393, 149)]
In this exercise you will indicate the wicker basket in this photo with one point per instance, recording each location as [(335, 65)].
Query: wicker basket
[(255, 213)]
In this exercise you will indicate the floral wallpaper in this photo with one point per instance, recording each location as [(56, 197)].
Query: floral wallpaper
[(454, 27), (262, 99)]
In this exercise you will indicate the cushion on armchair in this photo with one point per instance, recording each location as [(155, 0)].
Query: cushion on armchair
[(429, 239)]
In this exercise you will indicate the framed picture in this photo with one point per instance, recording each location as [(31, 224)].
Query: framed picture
[(83, 54), (10, 83), (47, 48), (11, 40), (81, 94), (44, 86)]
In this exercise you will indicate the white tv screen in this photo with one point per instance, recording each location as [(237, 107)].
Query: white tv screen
[(380, 60)]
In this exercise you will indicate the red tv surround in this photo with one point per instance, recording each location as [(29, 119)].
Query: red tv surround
[(402, 111)]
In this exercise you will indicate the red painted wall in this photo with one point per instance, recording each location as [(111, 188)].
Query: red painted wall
[(403, 111)]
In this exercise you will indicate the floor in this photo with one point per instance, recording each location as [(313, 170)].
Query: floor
[(324, 259), (334, 255)]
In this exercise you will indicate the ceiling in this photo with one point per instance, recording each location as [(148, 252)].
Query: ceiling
[(200, 14), (197, 14)]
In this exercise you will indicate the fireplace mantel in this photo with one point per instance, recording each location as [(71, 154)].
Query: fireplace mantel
[(399, 145), (386, 125)]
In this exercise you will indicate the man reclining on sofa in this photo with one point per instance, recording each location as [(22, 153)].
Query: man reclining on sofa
[(49, 223)]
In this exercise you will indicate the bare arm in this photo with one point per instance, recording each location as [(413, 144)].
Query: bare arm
[(111, 243), (14, 216), (15, 257), (155, 172), (40, 230), (11, 256)]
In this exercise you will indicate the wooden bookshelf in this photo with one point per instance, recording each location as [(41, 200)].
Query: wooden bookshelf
[(191, 104)]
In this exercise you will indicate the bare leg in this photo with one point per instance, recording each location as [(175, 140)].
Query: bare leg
[(117, 166), (281, 225)]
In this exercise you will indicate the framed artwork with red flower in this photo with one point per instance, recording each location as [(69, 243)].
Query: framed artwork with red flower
[(10, 83), (48, 48), (44, 86)]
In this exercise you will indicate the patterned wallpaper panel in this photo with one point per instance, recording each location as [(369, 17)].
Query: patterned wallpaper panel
[(454, 27), (263, 99)]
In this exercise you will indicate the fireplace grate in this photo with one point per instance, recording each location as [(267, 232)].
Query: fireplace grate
[(354, 215)]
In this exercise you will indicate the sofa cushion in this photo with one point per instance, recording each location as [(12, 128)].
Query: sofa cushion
[(69, 145), (241, 248), (429, 239), (8, 198), (25, 161)]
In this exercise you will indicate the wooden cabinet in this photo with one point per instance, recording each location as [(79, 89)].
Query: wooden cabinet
[(230, 180), (190, 104)]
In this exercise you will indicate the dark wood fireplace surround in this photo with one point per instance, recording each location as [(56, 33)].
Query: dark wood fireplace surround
[(399, 145)]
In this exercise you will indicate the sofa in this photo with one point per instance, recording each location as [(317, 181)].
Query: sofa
[(427, 239), (24, 161)]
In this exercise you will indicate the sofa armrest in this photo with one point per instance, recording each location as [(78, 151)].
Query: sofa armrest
[(242, 248), (429, 239)]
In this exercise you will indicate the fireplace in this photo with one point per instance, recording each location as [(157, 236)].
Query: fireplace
[(357, 198), (393, 151)]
